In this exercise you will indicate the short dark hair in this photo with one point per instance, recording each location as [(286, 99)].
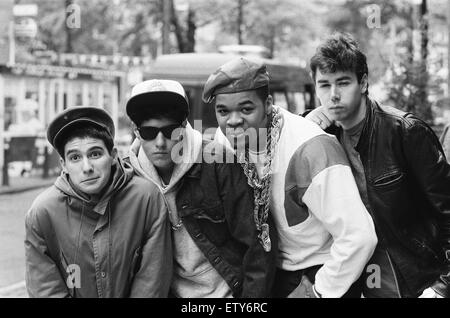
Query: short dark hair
[(83, 131), (340, 52), (158, 112)]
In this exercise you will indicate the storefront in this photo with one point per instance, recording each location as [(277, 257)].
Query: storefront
[(31, 95)]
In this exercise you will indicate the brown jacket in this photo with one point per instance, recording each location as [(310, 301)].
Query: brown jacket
[(119, 246)]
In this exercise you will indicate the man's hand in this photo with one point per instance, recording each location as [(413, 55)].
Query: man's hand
[(319, 117), (304, 290), (430, 293)]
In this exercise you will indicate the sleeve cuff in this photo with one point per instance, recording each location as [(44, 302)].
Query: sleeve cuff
[(316, 293)]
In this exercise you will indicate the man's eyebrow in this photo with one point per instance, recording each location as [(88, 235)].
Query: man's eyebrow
[(95, 148), (245, 102), (342, 78), (71, 151), (345, 77)]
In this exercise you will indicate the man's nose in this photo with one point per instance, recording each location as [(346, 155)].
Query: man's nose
[(160, 140), (335, 94), (234, 120), (87, 165)]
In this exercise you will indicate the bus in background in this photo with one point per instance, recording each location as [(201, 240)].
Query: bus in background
[(290, 85)]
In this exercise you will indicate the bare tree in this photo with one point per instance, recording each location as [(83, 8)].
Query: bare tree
[(240, 20), (167, 6), (69, 47), (448, 45), (185, 35)]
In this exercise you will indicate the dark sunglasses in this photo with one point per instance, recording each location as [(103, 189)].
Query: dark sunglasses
[(150, 133)]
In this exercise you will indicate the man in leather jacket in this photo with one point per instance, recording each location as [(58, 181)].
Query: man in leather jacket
[(217, 252), (401, 173)]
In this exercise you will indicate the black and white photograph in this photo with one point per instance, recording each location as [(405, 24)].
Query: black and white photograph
[(224, 154)]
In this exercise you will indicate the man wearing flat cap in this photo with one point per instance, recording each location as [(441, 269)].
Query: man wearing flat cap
[(216, 248), (325, 234), (99, 231)]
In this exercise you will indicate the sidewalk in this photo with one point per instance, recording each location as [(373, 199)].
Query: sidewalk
[(14, 291), (21, 184)]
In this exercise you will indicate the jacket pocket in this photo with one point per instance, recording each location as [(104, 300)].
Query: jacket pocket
[(134, 265), (215, 214), (135, 262), (65, 274), (389, 180), (213, 224), (424, 250)]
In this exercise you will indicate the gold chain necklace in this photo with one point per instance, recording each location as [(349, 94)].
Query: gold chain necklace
[(261, 186)]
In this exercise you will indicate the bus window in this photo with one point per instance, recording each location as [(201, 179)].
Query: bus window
[(279, 99), (298, 102)]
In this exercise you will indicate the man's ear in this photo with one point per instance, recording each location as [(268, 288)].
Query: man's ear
[(62, 162), (114, 153), (312, 77), (268, 105), (364, 84)]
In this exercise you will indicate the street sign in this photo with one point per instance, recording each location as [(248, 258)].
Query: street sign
[(25, 10), (6, 20)]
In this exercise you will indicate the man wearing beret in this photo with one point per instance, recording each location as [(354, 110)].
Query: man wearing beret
[(325, 234), (216, 248), (99, 231)]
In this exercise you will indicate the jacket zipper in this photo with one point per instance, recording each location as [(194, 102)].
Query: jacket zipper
[(395, 275)]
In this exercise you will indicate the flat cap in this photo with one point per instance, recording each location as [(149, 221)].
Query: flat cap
[(240, 74), (156, 93), (75, 116)]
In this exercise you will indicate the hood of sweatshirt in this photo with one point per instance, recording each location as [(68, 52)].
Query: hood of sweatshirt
[(121, 174)]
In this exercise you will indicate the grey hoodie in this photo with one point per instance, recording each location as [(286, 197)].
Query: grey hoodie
[(194, 276), (117, 246)]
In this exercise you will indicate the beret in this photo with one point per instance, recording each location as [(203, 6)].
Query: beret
[(237, 75), (78, 115), (156, 93)]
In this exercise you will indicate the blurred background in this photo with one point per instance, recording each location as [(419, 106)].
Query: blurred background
[(60, 53), (56, 54)]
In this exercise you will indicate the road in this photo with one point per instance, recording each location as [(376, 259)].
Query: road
[(13, 208)]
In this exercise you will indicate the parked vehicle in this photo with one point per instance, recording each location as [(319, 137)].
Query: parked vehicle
[(291, 85)]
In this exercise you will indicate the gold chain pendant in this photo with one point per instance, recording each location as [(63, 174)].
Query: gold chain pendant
[(264, 237)]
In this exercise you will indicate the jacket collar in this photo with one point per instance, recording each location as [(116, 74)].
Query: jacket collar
[(121, 174), (363, 142), (195, 171)]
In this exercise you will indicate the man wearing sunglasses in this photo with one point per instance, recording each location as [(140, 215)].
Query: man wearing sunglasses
[(216, 248)]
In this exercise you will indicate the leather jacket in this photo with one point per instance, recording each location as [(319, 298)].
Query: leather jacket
[(408, 185), (216, 207)]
